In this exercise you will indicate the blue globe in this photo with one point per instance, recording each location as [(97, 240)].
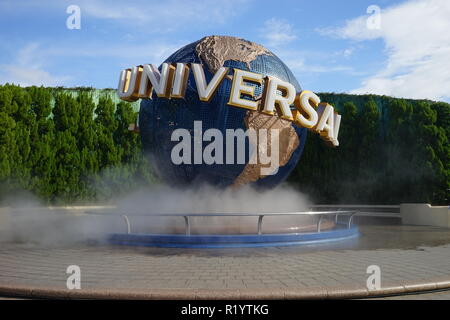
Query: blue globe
[(159, 117)]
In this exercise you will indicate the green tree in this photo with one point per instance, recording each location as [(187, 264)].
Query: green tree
[(42, 139), (367, 153), (105, 126), (8, 147), (87, 143), (66, 176)]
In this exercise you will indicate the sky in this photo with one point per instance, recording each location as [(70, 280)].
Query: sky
[(397, 48)]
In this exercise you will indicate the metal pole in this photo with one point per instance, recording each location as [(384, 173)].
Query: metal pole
[(187, 225), (319, 223), (350, 220), (127, 221), (260, 219)]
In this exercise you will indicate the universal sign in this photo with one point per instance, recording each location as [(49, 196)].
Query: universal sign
[(170, 83)]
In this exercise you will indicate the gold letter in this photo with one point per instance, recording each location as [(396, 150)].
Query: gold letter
[(205, 92), (337, 124), (238, 88), (325, 126), (282, 102), (129, 81), (160, 82), (305, 103), (180, 81)]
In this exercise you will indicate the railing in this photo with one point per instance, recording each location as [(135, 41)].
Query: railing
[(378, 211), (321, 215)]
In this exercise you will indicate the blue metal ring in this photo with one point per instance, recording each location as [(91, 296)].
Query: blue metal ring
[(231, 241)]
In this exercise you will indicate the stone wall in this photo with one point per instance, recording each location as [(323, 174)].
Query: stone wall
[(425, 214)]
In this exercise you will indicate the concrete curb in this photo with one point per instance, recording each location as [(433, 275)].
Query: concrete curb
[(338, 292)]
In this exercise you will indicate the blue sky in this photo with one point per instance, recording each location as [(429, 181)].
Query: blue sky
[(327, 44)]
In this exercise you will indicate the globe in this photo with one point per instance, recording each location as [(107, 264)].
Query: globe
[(159, 117)]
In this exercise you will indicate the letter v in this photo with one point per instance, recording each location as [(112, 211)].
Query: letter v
[(205, 92)]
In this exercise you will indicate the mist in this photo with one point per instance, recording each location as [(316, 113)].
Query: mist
[(25, 219)]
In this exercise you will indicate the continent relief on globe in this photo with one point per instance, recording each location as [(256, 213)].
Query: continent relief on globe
[(288, 142), (214, 51)]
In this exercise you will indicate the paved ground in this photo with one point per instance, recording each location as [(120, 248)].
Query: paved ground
[(404, 254), (440, 295)]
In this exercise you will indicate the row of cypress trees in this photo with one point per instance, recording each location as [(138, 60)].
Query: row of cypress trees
[(66, 148), (391, 151), (70, 146)]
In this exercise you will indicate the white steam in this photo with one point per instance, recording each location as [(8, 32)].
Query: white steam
[(26, 220)]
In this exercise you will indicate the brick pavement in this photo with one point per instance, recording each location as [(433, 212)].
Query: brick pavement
[(439, 295), (148, 269)]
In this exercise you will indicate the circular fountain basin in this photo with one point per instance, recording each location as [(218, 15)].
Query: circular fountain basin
[(232, 241), (234, 230)]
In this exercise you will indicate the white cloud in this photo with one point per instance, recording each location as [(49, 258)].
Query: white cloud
[(142, 16), (27, 69), (310, 63), (161, 16), (347, 52), (28, 77), (277, 32), (151, 52), (31, 62), (417, 42)]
